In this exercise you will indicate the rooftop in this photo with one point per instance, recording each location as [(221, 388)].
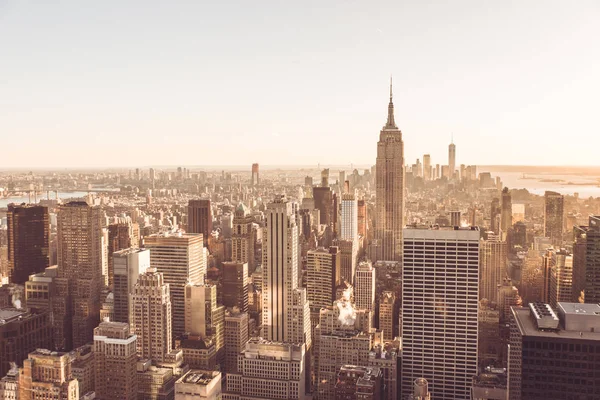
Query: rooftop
[(199, 377), (10, 314), (528, 327)]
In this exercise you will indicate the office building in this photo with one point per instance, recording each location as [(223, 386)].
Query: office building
[(493, 270), (151, 316), (427, 175), (21, 332), (358, 382), (9, 385), (592, 261), (349, 220), (561, 277), (323, 197), (199, 385), (116, 361), (455, 218), (121, 236), (348, 259), (28, 237), (180, 258), (451, 160), (80, 259), (128, 264), (550, 352), (83, 368), (255, 181), (495, 213), (386, 356), (268, 370), (47, 375), (579, 262), (364, 288), (440, 278), (553, 216), (323, 276), (506, 211), (387, 304), (390, 189), (243, 238), (234, 285), (362, 218), (200, 218), (236, 337), (490, 385)]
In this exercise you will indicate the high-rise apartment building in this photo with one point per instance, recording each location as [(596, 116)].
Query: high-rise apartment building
[(451, 160), (116, 361), (128, 264), (493, 256), (268, 370), (553, 216), (180, 258), (364, 288), (151, 316), (592, 261), (440, 278), (243, 238), (550, 352), (387, 303), (390, 189), (80, 258), (200, 218), (28, 237), (47, 375), (236, 337), (255, 181), (234, 285)]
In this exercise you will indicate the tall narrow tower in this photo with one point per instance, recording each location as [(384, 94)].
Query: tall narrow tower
[(390, 188), (451, 159)]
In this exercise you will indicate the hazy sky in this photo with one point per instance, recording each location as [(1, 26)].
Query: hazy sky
[(126, 83)]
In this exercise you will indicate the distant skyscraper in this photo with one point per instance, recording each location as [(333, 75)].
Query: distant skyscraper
[(439, 310), (79, 280), (200, 218), (506, 212), (128, 265), (390, 188), (323, 197), (348, 259), (451, 160), (47, 375), (493, 270), (179, 257), (116, 361), (120, 236), (28, 240), (243, 238), (494, 216), (151, 316), (255, 178), (364, 288), (234, 285), (349, 221), (362, 218), (427, 167), (325, 178), (553, 216), (592, 261)]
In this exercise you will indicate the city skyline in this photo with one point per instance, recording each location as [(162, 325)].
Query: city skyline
[(183, 77)]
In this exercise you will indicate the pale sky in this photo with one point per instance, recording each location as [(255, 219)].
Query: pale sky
[(137, 83)]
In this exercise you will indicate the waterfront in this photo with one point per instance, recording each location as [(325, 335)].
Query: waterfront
[(25, 199)]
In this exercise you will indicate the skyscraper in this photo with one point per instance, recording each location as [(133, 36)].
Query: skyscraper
[(255, 181), (494, 216), (280, 267), (79, 278), (204, 317), (120, 236), (440, 279), (47, 375), (506, 212), (349, 221), (364, 288), (28, 239), (236, 337), (151, 316), (387, 304), (390, 188), (128, 264), (234, 285), (200, 218), (427, 167), (180, 258), (493, 270), (592, 261), (553, 216), (323, 276), (561, 277), (116, 359), (451, 160), (243, 238)]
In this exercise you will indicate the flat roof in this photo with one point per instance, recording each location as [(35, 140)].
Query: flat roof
[(528, 327), (580, 308)]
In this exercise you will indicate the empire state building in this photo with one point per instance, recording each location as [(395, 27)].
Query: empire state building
[(390, 189)]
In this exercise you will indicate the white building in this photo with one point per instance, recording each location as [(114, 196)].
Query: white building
[(199, 385)]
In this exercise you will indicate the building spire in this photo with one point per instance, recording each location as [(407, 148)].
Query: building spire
[(391, 124)]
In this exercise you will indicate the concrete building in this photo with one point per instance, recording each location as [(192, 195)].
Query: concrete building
[(427, 172), (199, 385), (200, 218), (364, 288), (358, 382), (268, 370), (348, 259), (243, 238), (9, 385), (116, 358), (493, 252), (387, 303), (21, 332), (560, 263), (592, 261), (549, 353), (151, 316), (322, 278), (28, 238), (390, 189), (553, 216), (451, 160), (83, 368), (387, 358), (236, 337), (155, 383), (349, 217), (123, 235), (490, 385), (505, 212), (234, 285), (80, 260), (179, 257), (440, 278), (128, 264), (47, 375), (255, 180)]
